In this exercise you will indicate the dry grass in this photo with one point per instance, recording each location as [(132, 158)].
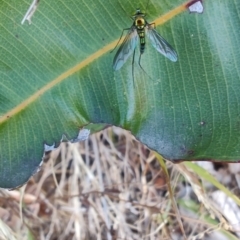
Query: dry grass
[(108, 187)]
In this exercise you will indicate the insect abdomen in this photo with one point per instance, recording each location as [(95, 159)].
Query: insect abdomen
[(141, 34)]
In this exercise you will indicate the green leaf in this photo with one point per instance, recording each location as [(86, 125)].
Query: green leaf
[(57, 76)]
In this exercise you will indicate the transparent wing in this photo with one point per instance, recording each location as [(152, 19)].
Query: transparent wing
[(161, 44), (126, 48)]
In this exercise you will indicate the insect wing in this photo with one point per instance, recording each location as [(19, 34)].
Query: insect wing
[(126, 49), (161, 44)]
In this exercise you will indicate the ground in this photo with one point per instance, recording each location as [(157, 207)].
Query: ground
[(113, 187)]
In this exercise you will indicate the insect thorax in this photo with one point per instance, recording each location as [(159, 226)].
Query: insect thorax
[(140, 22)]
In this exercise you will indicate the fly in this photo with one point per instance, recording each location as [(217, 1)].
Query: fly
[(137, 32)]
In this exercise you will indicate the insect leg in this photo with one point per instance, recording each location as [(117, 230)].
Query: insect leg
[(139, 63), (154, 26), (133, 67), (126, 29)]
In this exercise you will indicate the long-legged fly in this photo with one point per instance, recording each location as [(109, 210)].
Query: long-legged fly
[(139, 29)]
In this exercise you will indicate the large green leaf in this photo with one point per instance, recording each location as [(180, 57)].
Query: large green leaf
[(57, 76)]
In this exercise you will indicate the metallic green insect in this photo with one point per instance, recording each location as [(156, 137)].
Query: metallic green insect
[(139, 29)]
